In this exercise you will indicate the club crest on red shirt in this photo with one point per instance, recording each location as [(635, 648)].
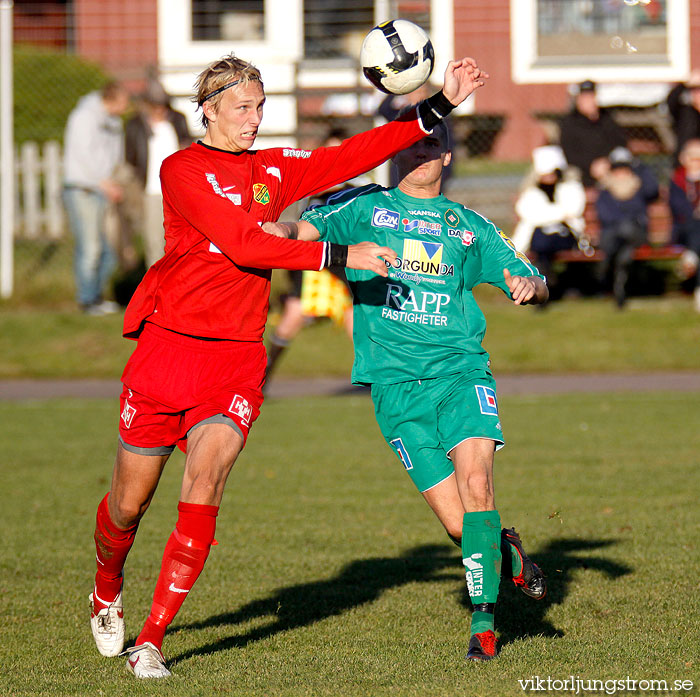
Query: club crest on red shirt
[(261, 194)]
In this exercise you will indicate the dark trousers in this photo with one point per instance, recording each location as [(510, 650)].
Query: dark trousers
[(618, 242), (689, 236), (545, 246)]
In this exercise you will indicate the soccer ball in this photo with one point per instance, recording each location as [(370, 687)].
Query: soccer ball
[(397, 57)]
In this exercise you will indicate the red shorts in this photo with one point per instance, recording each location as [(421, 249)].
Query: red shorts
[(174, 382)]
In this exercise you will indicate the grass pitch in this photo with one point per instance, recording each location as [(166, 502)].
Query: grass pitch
[(332, 577), (577, 335)]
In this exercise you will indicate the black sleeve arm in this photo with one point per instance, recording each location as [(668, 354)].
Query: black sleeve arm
[(434, 109), (335, 255)]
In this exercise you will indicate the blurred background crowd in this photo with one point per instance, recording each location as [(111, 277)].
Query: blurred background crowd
[(584, 147)]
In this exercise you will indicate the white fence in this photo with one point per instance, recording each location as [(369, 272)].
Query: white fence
[(38, 205)]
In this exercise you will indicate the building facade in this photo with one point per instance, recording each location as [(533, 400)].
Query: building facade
[(307, 51)]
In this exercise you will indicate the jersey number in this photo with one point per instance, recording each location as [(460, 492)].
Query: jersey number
[(403, 453)]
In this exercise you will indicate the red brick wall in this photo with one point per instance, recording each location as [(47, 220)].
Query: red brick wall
[(120, 35), (695, 33), (482, 30), (41, 24)]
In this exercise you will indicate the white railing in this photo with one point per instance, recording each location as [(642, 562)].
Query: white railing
[(38, 206)]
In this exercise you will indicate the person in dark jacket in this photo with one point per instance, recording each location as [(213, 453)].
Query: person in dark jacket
[(625, 191), (684, 107), (155, 132), (588, 134), (684, 201)]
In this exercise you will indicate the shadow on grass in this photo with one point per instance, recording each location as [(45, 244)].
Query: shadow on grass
[(364, 580), (518, 616), (358, 583)]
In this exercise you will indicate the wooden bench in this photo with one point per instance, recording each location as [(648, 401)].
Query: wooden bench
[(652, 273), (654, 260), (647, 252), (659, 247)]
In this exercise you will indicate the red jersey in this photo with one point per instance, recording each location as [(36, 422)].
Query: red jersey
[(214, 278)]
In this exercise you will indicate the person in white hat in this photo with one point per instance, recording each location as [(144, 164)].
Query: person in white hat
[(550, 210)]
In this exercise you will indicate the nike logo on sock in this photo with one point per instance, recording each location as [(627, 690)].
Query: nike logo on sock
[(175, 589)]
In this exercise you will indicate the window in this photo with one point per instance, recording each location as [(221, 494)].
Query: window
[(335, 28), (568, 40), (227, 20), (602, 31)]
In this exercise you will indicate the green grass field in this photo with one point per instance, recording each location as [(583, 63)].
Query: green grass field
[(332, 577), (578, 335)]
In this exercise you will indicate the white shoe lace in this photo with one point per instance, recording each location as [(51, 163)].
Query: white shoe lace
[(108, 627), (104, 621)]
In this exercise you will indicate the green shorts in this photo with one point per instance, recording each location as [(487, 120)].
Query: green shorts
[(423, 420)]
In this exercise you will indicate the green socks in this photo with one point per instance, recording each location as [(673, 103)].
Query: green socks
[(481, 622), (481, 556), (516, 561)]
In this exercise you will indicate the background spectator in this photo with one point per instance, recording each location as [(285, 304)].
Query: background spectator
[(684, 106), (93, 147), (684, 200), (550, 210), (626, 189), (588, 133), (153, 133)]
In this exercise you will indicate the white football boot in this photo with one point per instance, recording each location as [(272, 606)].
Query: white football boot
[(108, 627), (146, 661)]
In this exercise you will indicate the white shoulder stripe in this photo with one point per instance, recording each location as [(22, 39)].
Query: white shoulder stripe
[(367, 189)]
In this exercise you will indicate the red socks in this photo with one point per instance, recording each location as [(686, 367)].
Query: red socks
[(112, 545), (183, 561)]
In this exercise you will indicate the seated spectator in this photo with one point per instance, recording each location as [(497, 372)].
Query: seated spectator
[(684, 200), (684, 106), (550, 211), (626, 188), (588, 133)]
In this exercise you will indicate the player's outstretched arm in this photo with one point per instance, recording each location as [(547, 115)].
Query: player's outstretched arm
[(370, 257), (462, 78), (367, 256), (526, 290), (293, 231)]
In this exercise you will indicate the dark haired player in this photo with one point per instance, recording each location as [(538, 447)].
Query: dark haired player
[(417, 336)]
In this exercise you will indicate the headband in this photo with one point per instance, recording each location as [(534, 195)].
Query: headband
[(225, 87)]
